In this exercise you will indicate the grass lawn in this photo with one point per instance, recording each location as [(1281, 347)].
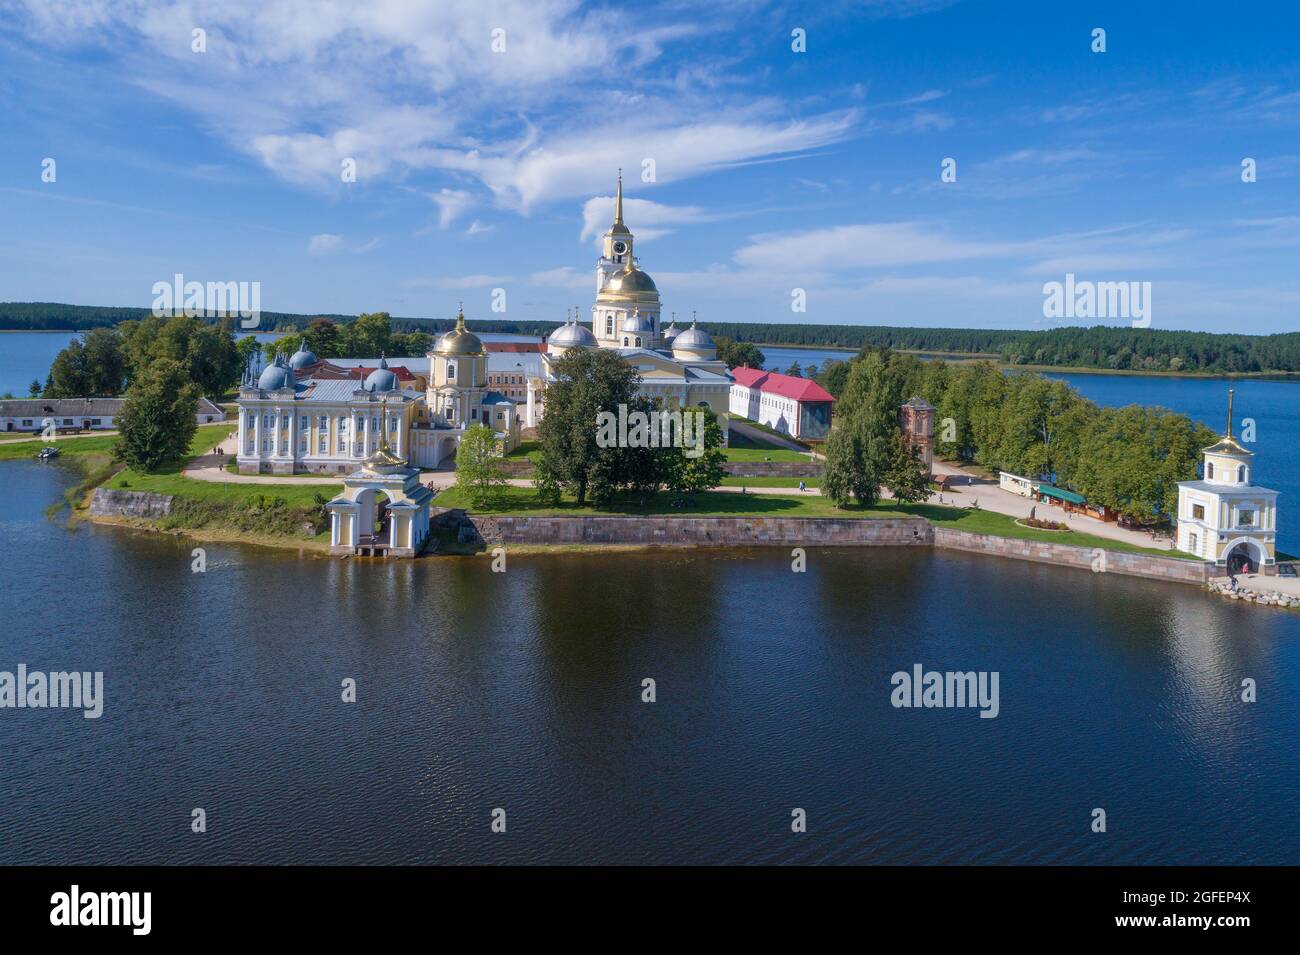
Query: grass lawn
[(523, 501), (205, 438), (169, 480), (770, 481), (67, 446), (525, 448), (764, 454)]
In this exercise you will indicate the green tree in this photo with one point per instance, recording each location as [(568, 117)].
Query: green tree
[(324, 338), (105, 364), (207, 352), (700, 466), (478, 466), (794, 371), (370, 335), (34, 389), (906, 476), (587, 382), (736, 354), (157, 421), (68, 373)]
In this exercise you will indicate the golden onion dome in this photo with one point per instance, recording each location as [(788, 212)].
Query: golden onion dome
[(460, 340), (630, 280)]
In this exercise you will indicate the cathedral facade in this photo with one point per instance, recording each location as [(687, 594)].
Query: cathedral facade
[(678, 367)]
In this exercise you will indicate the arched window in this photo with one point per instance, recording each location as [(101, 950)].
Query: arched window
[(638, 343), (624, 341), (1209, 470), (1241, 474)]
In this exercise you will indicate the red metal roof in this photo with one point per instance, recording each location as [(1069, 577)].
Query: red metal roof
[(326, 370), (787, 386), (515, 346)]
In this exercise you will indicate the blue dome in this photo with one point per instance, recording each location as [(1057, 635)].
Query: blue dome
[(303, 357), (275, 376), (381, 379)]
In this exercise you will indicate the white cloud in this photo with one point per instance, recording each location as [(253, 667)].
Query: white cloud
[(451, 203), (454, 282), (478, 228), (866, 246), (404, 86), (651, 219), (326, 243)]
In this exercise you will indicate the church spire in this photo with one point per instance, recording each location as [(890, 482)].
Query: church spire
[(618, 200), (1231, 392)]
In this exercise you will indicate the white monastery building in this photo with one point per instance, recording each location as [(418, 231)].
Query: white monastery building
[(1224, 517), (795, 406)]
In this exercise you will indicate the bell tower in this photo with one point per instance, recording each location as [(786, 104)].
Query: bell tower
[(616, 250)]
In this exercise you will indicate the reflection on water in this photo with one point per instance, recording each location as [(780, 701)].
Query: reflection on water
[(523, 690)]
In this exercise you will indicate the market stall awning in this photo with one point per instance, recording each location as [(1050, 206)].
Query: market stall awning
[(1060, 494)]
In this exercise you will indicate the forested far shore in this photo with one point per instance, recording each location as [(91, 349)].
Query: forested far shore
[(1100, 347)]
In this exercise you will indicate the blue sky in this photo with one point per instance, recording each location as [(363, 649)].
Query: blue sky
[(774, 170)]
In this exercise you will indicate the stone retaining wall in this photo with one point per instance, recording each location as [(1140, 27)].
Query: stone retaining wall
[(110, 503), (1072, 555), (703, 531), (793, 469)]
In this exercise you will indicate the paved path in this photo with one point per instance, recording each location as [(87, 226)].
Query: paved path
[(971, 489)]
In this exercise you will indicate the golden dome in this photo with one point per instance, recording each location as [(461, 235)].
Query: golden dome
[(460, 340), (630, 280)]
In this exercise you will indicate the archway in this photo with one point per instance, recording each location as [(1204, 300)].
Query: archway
[(374, 524), (1244, 557)]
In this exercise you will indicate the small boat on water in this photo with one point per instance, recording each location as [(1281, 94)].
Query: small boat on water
[(45, 454)]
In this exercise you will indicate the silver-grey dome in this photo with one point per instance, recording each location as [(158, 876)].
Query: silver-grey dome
[(381, 379), (572, 335), (694, 339), (671, 332), (636, 324), (276, 375), (303, 357)]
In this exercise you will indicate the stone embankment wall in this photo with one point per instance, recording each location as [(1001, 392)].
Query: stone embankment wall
[(109, 503), (700, 531), (1072, 555)]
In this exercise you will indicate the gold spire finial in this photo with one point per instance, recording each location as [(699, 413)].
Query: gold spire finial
[(460, 317), (694, 321), (618, 200), (1231, 392)]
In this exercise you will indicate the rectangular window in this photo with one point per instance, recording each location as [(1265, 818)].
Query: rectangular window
[(1246, 517), (302, 444), (392, 424), (374, 424), (324, 443), (284, 422), (343, 446), (473, 413), (1194, 543), (1198, 512), (343, 425), (252, 420), (304, 422), (451, 371), (361, 426), (27, 422), (323, 422), (284, 447)]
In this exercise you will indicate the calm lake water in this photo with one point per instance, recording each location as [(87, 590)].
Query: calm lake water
[(522, 690)]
